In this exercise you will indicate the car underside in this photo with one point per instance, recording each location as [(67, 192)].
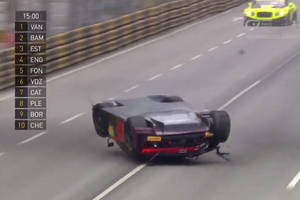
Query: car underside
[(167, 128)]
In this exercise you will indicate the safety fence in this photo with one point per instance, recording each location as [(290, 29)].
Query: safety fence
[(72, 47)]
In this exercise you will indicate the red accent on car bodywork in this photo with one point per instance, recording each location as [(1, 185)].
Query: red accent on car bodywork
[(120, 131), (152, 131), (175, 150)]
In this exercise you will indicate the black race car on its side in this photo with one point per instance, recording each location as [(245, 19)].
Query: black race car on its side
[(160, 126)]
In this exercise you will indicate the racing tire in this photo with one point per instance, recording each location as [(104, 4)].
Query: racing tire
[(166, 99), (100, 118), (295, 18), (248, 23), (220, 126), (287, 21)]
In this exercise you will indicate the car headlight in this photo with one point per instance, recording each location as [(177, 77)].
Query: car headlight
[(250, 13), (282, 12)]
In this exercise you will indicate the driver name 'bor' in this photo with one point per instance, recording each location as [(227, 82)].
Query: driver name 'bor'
[(36, 59), (37, 114)]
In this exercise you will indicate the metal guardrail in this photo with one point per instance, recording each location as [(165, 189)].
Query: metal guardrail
[(69, 48)]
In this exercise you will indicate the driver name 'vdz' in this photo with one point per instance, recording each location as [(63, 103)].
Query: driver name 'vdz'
[(36, 81)]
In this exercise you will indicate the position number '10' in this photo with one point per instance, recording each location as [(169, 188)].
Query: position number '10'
[(21, 125)]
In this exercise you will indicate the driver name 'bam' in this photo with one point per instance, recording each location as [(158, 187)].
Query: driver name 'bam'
[(37, 37)]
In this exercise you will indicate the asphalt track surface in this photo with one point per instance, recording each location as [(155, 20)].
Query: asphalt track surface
[(214, 63)]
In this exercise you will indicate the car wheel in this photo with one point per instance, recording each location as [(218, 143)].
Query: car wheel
[(100, 118), (295, 18), (283, 22), (220, 126), (288, 21)]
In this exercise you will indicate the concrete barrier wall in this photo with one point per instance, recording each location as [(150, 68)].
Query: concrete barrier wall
[(67, 49)]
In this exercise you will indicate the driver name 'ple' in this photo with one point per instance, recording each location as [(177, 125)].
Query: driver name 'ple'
[(36, 103)]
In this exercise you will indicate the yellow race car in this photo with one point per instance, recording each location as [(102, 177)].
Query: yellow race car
[(270, 12)]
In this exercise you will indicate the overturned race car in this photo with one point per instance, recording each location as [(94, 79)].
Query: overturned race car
[(160, 126)]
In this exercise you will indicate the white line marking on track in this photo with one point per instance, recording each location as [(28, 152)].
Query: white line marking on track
[(131, 88), (237, 19), (1, 154), (71, 118), (240, 35), (227, 11), (227, 41), (195, 57), (251, 29), (280, 66), (239, 95), (213, 48), (32, 138), (293, 182), (6, 97), (119, 182), (111, 98), (154, 77), (136, 47), (176, 67)]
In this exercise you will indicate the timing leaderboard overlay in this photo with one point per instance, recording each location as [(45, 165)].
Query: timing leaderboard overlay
[(30, 74)]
